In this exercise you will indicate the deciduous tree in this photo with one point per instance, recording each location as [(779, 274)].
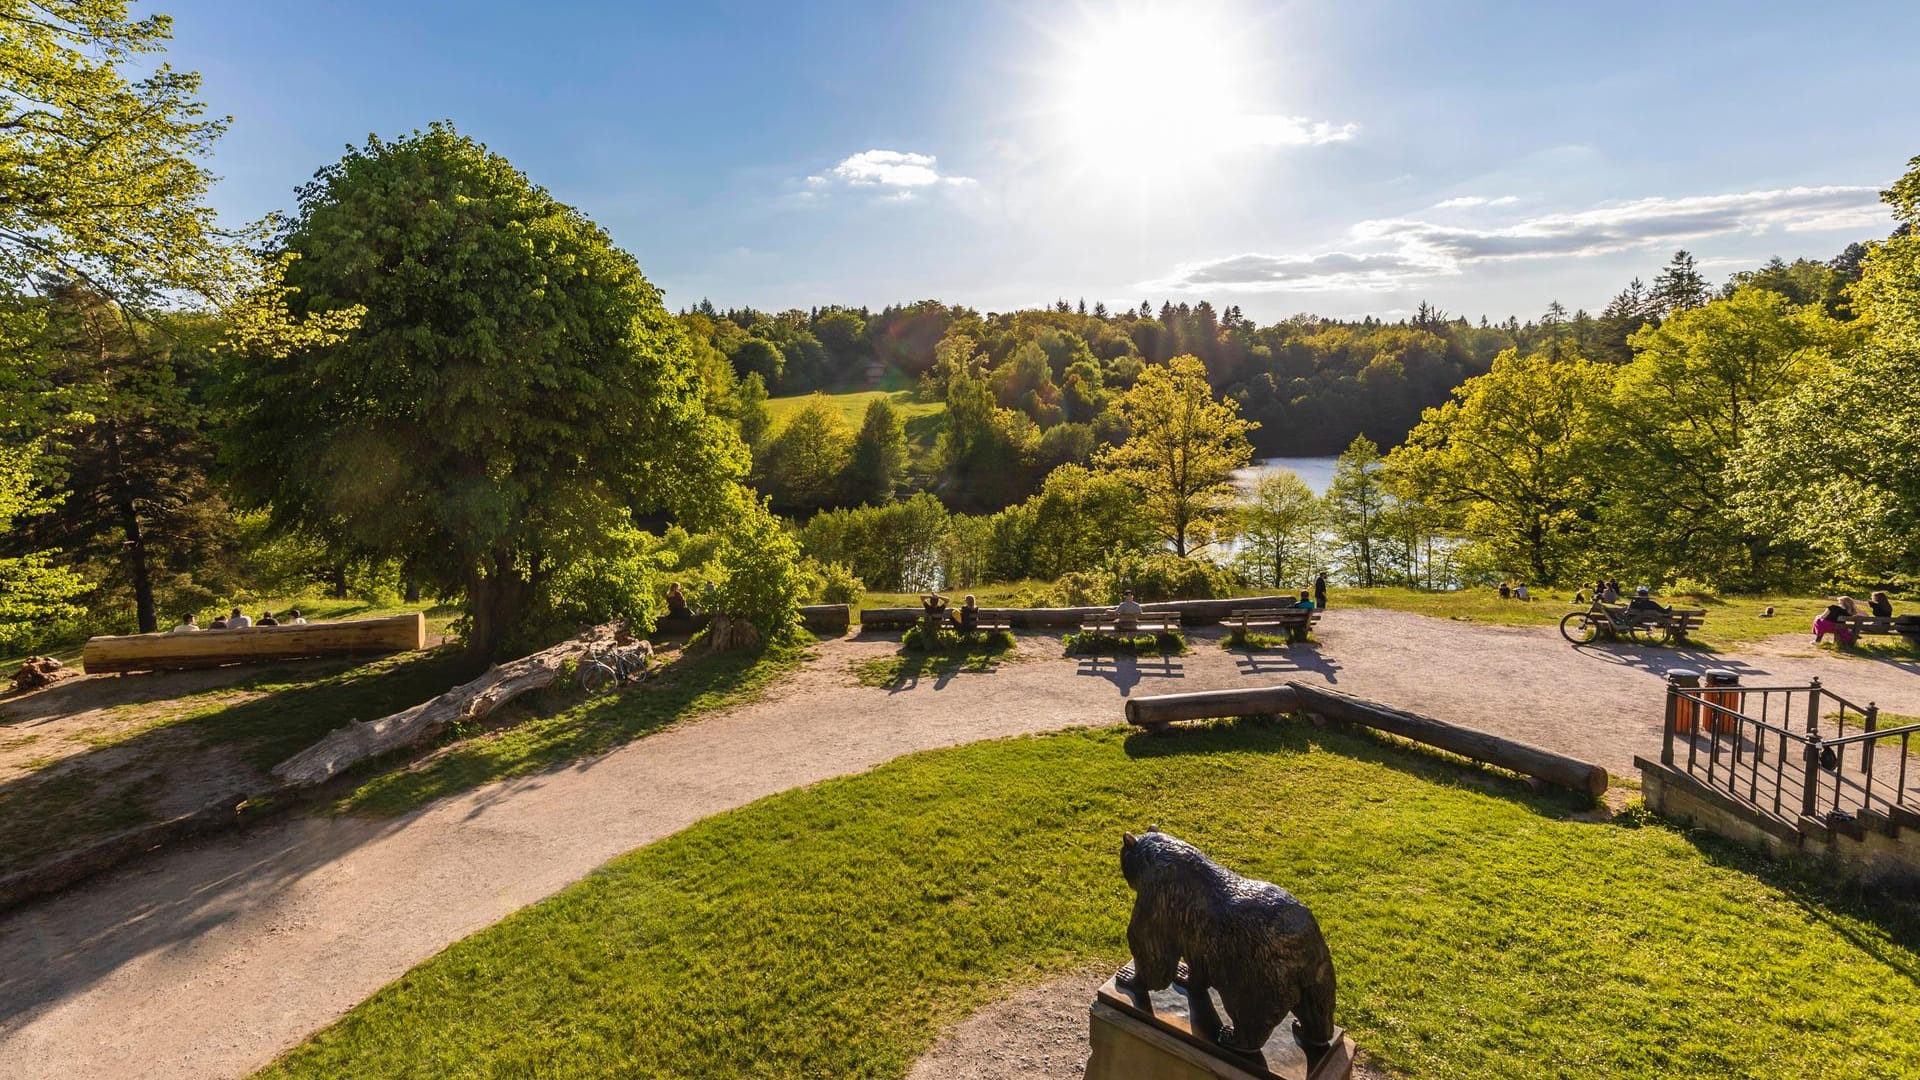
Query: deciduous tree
[(1182, 448)]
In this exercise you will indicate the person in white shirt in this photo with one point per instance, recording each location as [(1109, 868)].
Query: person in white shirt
[(294, 618), (1520, 592), (1126, 611), (237, 621), (188, 625)]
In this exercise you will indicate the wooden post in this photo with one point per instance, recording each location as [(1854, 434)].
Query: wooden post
[(1866, 748)]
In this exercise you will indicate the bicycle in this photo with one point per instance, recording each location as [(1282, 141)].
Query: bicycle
[(605, 667)]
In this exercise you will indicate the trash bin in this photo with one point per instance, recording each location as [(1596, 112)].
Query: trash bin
[(1681, 718), (1723, 723)]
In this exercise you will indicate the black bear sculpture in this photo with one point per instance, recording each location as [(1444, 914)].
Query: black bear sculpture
[(1250, 940)]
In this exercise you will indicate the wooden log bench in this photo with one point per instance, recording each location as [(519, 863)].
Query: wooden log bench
[(1155, 713), (1296, 621), (1108, 623), (1907, 626), (254, 644)]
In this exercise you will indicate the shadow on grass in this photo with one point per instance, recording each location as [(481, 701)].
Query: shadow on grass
[(119, 783)]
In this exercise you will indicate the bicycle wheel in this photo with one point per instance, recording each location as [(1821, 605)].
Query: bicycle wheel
[(1649, 634), (597, 676), (1578, 628)]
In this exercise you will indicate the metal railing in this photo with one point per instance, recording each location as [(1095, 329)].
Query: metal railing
[(1791, 751)]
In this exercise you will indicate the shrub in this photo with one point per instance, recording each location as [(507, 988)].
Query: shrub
[(833, 583), (1090, 643), (918, 639), (1165, 576)]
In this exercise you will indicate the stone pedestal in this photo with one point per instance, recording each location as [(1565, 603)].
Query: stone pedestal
[(1141, 1037)]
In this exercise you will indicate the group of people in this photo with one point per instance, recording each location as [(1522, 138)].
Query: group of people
[(238, 620), (1515, 592), (1834, 619), (966, 617)]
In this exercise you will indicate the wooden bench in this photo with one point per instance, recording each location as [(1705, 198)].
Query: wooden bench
[(1137, 624), (1296, 621), (1676, 625), (1907, 626)]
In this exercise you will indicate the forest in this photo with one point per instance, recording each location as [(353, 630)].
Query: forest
[(429, 378)]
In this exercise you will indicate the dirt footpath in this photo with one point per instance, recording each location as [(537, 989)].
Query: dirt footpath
[(208, 960)]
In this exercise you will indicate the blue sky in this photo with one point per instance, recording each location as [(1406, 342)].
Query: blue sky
[(1343, 158)]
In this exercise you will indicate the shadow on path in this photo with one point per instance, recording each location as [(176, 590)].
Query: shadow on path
[(1125, 672)]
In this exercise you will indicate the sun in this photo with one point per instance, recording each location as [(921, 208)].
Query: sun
[(1155, 86)]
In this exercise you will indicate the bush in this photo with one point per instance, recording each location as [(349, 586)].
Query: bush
[(1089, 643), (832, 583), (917, 639), (1699, 590), (1165, 576)]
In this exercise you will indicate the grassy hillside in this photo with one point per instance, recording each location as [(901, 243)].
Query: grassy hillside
[(922, 418)]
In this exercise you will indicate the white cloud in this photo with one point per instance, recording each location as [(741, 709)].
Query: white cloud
[(1460, 202), (1384, 254), (1272, 129), (899, 172)]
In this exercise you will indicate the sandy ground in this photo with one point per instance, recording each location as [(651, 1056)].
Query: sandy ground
[(210, 959)]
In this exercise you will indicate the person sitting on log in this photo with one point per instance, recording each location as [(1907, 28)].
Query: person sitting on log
[(219, 623), (1880, 605), (1833, 621), (189, 623), (677, 608), (1126, 613), (238, 621), (294, 618), (267, 619), (967, 615)]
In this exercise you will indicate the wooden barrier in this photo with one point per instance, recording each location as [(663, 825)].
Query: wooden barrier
[(827, 618), (1191, 612), (1156, 712), (254, 645)]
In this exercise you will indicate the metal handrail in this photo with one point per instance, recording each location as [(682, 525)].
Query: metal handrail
[(1870, 736)]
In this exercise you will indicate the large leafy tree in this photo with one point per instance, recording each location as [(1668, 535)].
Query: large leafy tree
[(100, 174), (1181, 450), (802, 466), (1680, 409), (35, 590), (1277, 524), (1358, 501), (879, 454), (1836, 462), (1515, 456), (513, 393)]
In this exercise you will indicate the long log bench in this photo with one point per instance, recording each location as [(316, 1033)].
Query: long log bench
[(1907, 626), (254, 645), (1296, 621), (1190, 612)]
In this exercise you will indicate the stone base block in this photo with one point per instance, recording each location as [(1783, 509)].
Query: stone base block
[(1139, 1037)]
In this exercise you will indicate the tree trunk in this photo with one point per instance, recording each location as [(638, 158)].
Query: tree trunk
[(498, 597), (338, 575), (412, 594), (137, 569)]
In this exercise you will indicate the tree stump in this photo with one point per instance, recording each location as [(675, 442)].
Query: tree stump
[(728, 632)]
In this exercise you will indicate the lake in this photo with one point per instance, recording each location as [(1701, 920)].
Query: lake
[(1316, 471)]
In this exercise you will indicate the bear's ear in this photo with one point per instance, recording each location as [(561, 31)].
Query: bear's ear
[(1127, 840)]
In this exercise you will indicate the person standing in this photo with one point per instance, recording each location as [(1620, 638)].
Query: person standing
[(1320, 590)]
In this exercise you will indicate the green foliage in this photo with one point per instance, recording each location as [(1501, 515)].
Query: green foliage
[(759, 561), (879, 457), (951, 639), (35, 593), (801, 467), (889, 548), (1277, 524), (833, 583), (1161, 575), (1075, 522), (1514, 454), (512, 394), (1356, 505), (1181, 450), (1105, 643), (100, 153)]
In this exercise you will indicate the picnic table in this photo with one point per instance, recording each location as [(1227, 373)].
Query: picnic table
[(1295, 620), (1623, 623)]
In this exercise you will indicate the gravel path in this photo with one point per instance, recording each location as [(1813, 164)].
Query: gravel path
[(210, 959)]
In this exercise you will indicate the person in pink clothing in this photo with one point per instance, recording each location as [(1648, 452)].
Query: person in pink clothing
[(1833, 621)]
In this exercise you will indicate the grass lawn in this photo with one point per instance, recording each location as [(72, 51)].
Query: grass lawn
[(1479, 931), (997, 594), (977, 653), (1730, 621), (921, 418), (557, 727)]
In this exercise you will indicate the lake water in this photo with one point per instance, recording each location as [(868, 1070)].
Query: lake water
[(1316, 471)]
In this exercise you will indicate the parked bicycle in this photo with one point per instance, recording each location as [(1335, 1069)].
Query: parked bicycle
[(607, 666)]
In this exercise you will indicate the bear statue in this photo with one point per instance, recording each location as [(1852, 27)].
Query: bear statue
[(1253, 942)]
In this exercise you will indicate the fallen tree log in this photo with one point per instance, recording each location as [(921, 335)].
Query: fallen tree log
[(1191, 612), (827, 618), (1156, 712), (1520, 757), (348, 746), (254, 645)]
